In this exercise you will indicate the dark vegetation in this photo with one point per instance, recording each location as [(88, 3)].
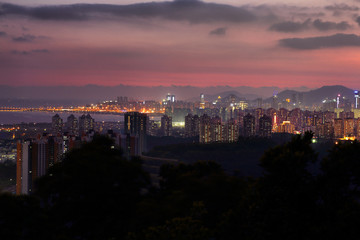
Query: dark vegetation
[(240, 158), (97, 194), (7, 174)]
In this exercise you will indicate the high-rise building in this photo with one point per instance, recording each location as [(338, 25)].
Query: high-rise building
[(357, 128), (344, 115), (170, 98), (166, 125), (216, 130), (135, 126), (295, 117), (265, 126), (34, 157), (56, 124), (338, 101), (249, 125), (86, 124), (231, 131), (192, 123), (259, 112), (122, 99), (72, 125), (349, 125), (356, 92), (338, 127), (202, 101), (152, 128), (286, 127), (204, 129), (275, 102)]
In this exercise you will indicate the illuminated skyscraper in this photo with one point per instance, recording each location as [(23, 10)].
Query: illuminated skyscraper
[(249, 125), (265, 126), (275, 101), (34, 157), (192, 124), (338, 127), (135, 126), (216, 129), (166, 125), (349, 125), (86, 123), (231, 131), (356, 99), (56, 124), (170, 98), (72, 125), (259, 112), (204, 129)]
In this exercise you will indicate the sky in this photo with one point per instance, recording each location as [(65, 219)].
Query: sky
[(183, 42)]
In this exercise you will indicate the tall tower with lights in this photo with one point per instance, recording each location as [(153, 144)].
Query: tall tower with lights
[(338, 101), (356, 92)]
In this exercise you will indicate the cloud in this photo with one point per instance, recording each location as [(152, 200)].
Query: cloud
[(24, 38), (218, 31), (17, 52), (333, 41), (181, 10), (325, 26), (318, 24), (27, 38), (3, 34), (341, 7), (358, 20), (290, 26)]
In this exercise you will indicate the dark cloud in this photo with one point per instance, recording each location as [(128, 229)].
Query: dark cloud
[(24, 38), (325, 26), (290, 26), (185, 10), (28, 38), (333, 41), (341, 7), (3, 34), (358, 20), (218, 31)]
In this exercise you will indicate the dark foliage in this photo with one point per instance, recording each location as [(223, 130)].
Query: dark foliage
[(96, 194), (7, 173), (93, 192)]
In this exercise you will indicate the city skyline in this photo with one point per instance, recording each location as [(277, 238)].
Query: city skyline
[(183, 42)]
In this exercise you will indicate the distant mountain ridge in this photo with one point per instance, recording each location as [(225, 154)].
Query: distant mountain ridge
[(316, 96), (96, 93)]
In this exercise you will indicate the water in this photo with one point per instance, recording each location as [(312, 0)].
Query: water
[(45, 117)]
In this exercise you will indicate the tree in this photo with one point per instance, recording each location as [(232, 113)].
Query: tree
[(21, 217), (283, 202), (93, 192), (340, 190)]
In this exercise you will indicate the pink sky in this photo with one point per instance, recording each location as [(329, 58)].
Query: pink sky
[(47, 46)]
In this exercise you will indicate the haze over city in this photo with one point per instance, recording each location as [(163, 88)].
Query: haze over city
[(182, 42)]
